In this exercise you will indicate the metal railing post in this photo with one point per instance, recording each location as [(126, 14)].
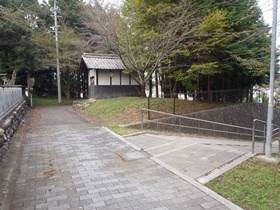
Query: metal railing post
[(253, 137), (157, 122), (174, 104), (237, 135), (149, 107), (180, 124), (226, 131), (215, 130), (142, 120), (279, 140), (264, 137)]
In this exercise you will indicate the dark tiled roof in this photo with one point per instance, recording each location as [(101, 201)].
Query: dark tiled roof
[(109, 62)]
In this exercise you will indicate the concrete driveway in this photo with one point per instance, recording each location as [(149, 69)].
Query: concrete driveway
[(199, 158)]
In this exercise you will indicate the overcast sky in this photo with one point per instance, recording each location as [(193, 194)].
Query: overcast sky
[(117, 2), (266, 6)]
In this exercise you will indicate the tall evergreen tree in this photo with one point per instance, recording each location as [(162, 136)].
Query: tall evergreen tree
[(16, 4), (251, 43), (237, 43), (70, 42), (70, 12), (16, 49)]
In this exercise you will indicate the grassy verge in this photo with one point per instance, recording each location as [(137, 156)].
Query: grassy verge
[(126, 110), (253, 184), (50, 101), (123, 130), (116, 111)]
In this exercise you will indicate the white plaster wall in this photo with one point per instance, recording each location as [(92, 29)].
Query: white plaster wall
[(133, 82), (125, 79), (115, 78), (103, 77), (91, 73)]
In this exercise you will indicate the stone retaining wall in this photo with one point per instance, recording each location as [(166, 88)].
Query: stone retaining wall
[(9, 124), (240, 114)]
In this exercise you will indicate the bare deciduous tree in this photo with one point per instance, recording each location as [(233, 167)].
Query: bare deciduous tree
[(142, 50)]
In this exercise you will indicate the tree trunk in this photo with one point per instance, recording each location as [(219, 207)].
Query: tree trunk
[(66, 90), (223, 88), (156, 76), (251, 94), (197, 87), (68, 96), (209, 89), (151, 87), (142, 90)]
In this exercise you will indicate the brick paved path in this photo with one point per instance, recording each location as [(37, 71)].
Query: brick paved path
[(68, 163)]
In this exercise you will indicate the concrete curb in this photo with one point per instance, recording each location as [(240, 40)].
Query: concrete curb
[(219, 171), (122, 139), (198, 185)]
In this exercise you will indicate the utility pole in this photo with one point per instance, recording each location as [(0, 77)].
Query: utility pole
[(57, 53), (268, 143)]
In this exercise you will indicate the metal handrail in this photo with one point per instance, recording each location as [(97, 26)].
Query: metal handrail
[(275, 131), (264, 133), (195, 119)]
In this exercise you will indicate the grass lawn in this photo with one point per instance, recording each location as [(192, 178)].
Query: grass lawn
[(116, 111), (253, 184), (126, 110)]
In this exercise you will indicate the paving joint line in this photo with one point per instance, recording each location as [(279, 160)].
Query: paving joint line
[(174, 150), (165, 144)]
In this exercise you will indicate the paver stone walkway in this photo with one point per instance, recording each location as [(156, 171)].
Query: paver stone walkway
[(69, 163)]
